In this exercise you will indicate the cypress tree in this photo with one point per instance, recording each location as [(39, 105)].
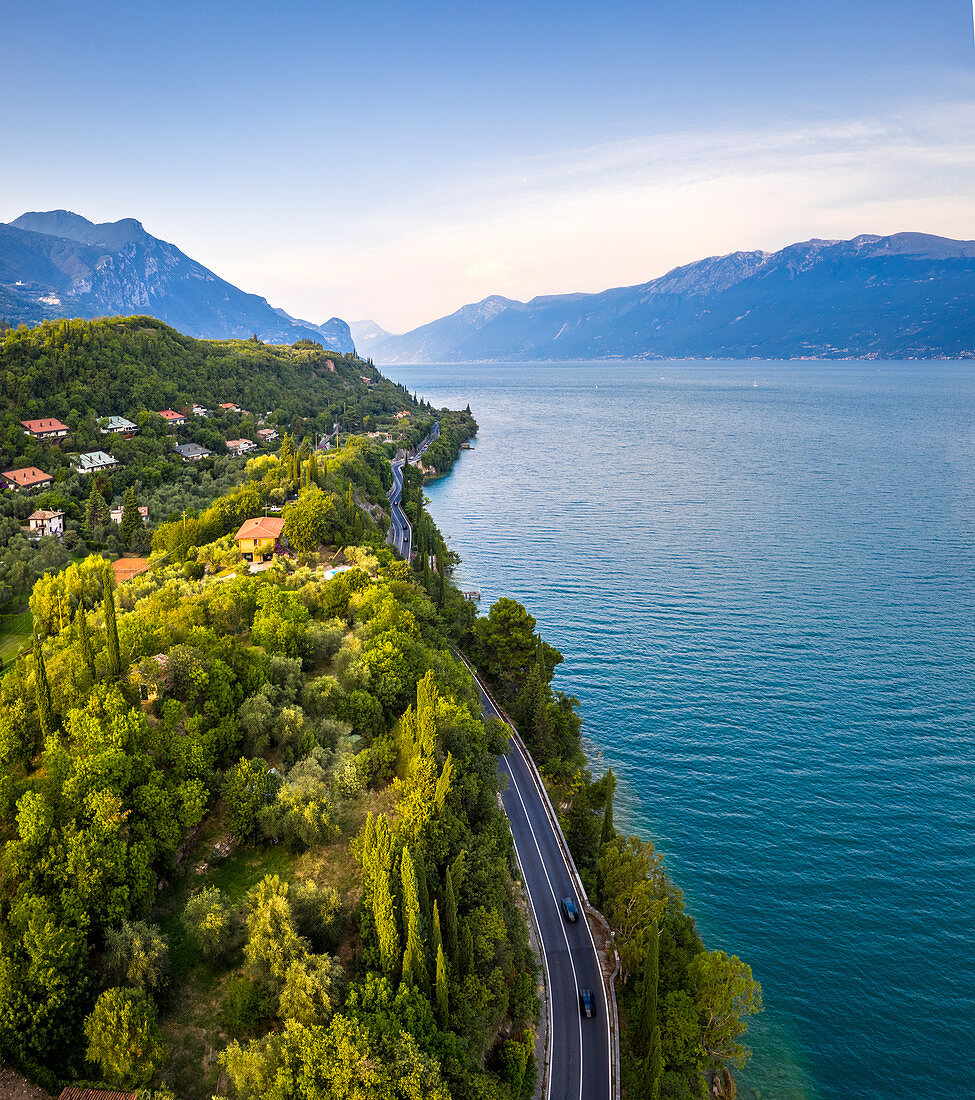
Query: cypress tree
[(111, 628), (131, 519), (450, 920), (422, 888), (436, 936), (84, 636), (414, 963), (443, 1007), (609, 830), (467, 951), (42, 691), (656, 1070), (651, 976), (384, 915)]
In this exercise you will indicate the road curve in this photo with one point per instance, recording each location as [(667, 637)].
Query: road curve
[(400, 535), (579, 1049)]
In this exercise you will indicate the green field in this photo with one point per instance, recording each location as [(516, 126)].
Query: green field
[(15, 630)]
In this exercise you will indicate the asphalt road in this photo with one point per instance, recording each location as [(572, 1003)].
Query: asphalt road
[(579, 1052), (400, 535)]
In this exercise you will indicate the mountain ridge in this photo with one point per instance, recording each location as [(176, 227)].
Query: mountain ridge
[(57, 263), (905, 295)]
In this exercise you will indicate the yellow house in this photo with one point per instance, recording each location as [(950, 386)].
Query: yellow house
[(259, 538)]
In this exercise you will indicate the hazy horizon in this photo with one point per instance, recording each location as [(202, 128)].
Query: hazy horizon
[(395, 163)]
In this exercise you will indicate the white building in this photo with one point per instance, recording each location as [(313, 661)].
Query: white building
[(45, 523), (117, 513), (94, 462), (117, 425)]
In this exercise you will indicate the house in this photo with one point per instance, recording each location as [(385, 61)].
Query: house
[(45, 429), (173, 418), (240, 446), (117, 425), (116, 514), (30, 477), (43, 523), (196, 410), (94, 462), (258, 539), (266, 435), (230, 406), (192, 452), (402, 414)]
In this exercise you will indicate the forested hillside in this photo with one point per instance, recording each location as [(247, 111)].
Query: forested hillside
[(83, 371)]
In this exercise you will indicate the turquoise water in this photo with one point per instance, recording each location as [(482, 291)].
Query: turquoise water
[(761, 577)]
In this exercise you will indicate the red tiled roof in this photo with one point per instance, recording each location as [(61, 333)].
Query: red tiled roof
[(265, 527), (29, 475), (95, 1094), (44, 515), (168, 414), (46, 425)]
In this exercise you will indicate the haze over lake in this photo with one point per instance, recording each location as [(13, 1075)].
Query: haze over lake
[(761, 577)]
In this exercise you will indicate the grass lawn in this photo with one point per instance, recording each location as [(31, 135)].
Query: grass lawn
[(15, 630), (190, 1021)]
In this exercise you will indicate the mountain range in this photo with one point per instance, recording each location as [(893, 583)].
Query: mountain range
[(59, 264), (909, 295)]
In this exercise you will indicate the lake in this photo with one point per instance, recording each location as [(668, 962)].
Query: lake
[(761, 577)]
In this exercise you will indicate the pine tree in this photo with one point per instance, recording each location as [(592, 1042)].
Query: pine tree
[(42, 691), (131, 518), (111, 627), (96, 510), (384, 916), (436, 936), (443, 1006)]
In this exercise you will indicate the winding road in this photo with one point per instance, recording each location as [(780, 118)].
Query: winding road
[(400, 535), (580, 1051)]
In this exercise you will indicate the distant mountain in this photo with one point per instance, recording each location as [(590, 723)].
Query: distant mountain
[(367, 334), (59, 264), (909, 295)]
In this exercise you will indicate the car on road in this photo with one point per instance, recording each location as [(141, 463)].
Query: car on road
[(570, 910), (587, 1003)]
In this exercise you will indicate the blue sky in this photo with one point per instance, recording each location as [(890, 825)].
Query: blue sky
[(396, 160)]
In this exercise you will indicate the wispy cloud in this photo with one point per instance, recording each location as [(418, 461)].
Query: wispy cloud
[(624, 212)]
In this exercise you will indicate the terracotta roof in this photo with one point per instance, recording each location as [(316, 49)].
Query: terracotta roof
[(44, 515), (264, 527), (46, 425), (229, 405), (168, 414), (96, 1094), (29, 475)]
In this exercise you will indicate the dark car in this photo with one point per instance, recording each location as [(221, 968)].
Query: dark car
[(587, 1004), (569, 908)]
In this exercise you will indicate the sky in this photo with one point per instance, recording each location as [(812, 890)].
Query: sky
[(397, 160)]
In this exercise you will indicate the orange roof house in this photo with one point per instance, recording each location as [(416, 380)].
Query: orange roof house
[(259, 538), (173, 418), (29, 477), (47, 428)]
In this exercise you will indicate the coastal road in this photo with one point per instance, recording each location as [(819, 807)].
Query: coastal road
[(579, 1048), (400, 535)]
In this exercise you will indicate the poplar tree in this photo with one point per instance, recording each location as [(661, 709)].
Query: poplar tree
[(42, 691), (111, 628), (443, 1006)]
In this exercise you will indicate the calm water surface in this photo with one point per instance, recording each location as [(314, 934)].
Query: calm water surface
[(761, 577)]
